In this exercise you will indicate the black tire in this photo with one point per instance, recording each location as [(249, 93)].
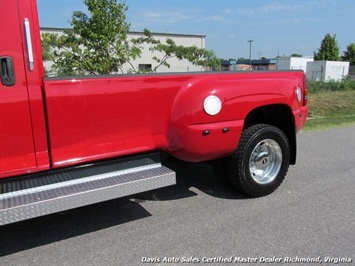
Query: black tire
[(262, 173)]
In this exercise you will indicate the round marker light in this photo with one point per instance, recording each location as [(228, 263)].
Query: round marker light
[(212, 105), (299, 94)]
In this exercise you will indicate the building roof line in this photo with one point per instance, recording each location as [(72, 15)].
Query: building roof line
[(137, 32)]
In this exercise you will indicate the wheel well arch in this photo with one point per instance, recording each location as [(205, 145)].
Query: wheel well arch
[(278, 115)]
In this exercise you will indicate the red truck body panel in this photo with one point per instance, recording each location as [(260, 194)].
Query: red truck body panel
[(97, 118), (23, 143), (61, 122)]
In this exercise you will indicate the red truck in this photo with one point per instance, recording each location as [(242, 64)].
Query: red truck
[(67, 142)]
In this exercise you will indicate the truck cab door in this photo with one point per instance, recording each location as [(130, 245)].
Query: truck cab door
[(17, 152)]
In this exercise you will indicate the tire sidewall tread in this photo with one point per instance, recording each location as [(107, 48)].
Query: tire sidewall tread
[(238, 163)]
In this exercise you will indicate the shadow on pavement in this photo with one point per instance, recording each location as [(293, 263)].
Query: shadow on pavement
[(192, 178)]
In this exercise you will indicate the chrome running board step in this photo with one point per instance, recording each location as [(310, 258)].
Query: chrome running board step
[(28, 197)]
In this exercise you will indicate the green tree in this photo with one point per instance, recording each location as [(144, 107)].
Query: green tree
[(329, 49), (95, 45), (296, 55), (349, 54), (169, 49)]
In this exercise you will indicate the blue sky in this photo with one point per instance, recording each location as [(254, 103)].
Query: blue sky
[(276, 27)]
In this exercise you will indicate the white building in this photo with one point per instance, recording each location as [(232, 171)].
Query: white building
[(286, 63), (146, 61), (327, 70)]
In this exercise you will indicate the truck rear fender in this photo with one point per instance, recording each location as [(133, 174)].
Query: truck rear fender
[(193, 135)]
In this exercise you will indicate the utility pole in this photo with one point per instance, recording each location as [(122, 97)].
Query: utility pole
[(250, 41)]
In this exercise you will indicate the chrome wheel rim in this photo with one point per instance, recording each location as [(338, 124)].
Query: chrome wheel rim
[(265, 161)]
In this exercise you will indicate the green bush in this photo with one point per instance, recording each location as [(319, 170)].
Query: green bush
[(348, 84)]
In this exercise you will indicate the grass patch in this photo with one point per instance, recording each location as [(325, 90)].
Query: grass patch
[(347, 84), (329, 109)]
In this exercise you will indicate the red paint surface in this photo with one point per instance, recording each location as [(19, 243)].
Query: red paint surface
[(97, 118), (23, 144), (88, 119)]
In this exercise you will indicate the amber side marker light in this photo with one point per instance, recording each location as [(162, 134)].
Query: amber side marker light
[(306, 91)]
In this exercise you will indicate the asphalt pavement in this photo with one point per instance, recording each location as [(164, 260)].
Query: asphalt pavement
[(201, 220)]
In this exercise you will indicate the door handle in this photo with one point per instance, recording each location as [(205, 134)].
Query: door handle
[(29, 44), (7, 71)]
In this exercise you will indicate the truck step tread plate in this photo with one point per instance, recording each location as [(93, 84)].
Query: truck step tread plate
[(79, 187)]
